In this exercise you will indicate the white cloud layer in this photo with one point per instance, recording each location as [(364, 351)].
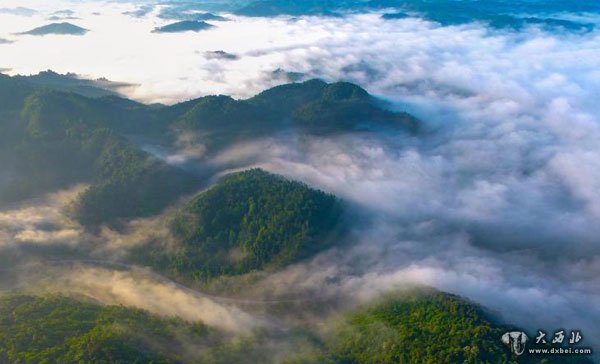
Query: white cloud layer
[(509, 234), (398, 59)]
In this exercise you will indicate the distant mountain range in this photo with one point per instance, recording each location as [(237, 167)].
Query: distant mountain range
[(20, 11), (76, 84), (437, 9), (549, 14)]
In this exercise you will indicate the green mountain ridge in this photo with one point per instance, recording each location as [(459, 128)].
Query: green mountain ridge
[(53, 139), (55, 329), (59, 139), (425, 326), (73, 83), (313, 107), (418, 326)]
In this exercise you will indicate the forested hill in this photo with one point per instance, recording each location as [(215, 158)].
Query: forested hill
[(57, 329), (51, 139), (424, 326), (249, 221), (419, 327)]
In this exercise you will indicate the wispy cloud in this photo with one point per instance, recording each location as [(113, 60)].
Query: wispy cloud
[(42, 221), (137, 287)]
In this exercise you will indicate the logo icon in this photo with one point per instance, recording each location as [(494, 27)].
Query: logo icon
[(516, 340)]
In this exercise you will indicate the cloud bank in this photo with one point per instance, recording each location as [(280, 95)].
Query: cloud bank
[(162, 298), (519, 243), (400, 59)]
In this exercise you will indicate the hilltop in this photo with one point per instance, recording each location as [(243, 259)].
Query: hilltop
[(57, 28), (183, 26), (250, 220)]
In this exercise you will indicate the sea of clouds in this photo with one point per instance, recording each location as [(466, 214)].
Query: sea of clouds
[(498, 198)]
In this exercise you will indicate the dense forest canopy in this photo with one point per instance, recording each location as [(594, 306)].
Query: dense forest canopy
[(55, 329), (425, 326), (249, 221), (420, 326), (53, 139)]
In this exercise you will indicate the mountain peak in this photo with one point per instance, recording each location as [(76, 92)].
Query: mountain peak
[(183, 26), (56, 28)]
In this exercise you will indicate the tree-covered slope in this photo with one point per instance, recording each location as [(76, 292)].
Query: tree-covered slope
[(312, 107), (425, 326), (250, 220), (61, 110), (418, 327), (344, 106), (52, 139), (12, 93), (56, 329), (59, 139), (129, 183), (74, 83)]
